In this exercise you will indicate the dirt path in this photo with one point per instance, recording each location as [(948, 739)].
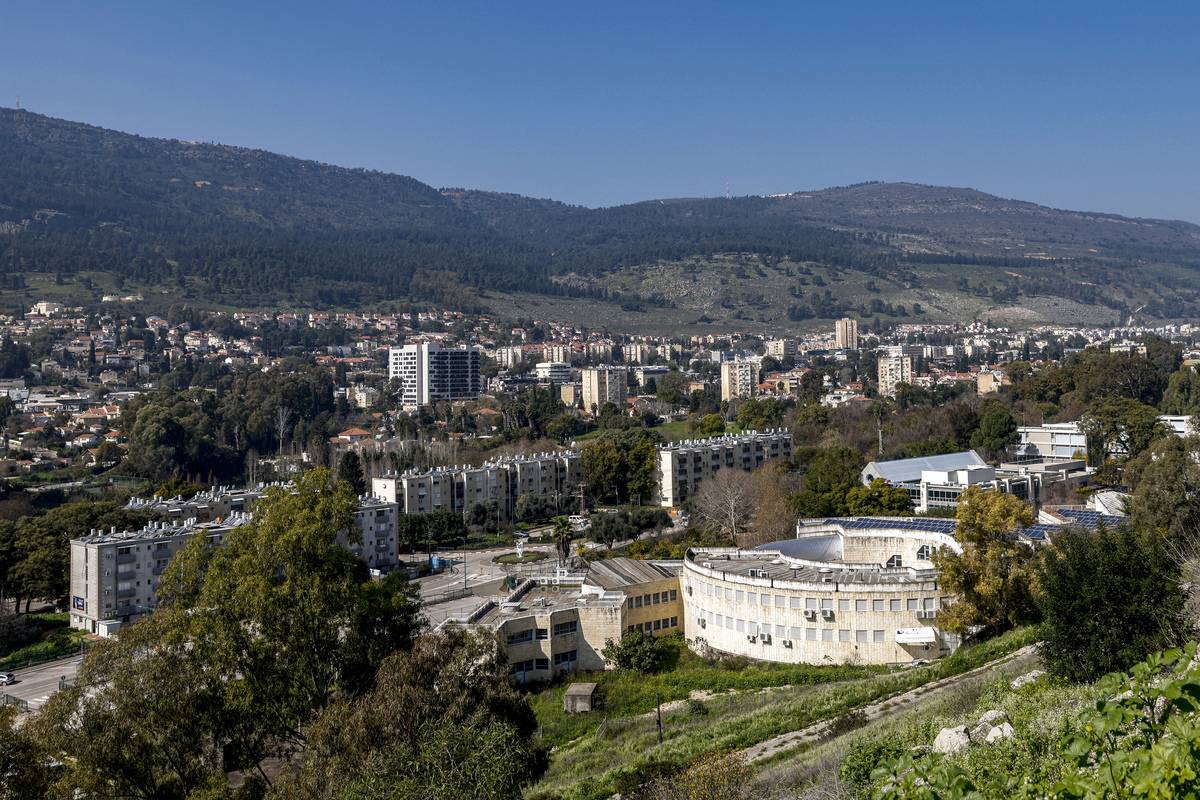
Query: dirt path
[(881, 708)]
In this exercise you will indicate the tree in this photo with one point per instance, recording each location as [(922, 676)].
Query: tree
[(608, 529), (706, 425), (830, 474), (23, 764), (1109, 598), (253, 639), (1183, 392), (637, 651), (562, 536), (994, 575), (350, 470), (725, 502), (672, 388), (443, 721), (996, 432), (1119, 427), (879, 499)]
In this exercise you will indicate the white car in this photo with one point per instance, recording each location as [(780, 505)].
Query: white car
[(7, 679)]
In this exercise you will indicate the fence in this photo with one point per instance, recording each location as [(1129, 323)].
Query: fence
[(11, 700)]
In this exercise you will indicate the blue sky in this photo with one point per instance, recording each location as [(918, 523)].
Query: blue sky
[(1090, 106)]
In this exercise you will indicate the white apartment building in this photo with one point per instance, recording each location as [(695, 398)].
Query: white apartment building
[(637, 353), (556, 352), (845, 333), (738, 379), (114, 574), (509, 357), (606, 384), (684, 466), (554, 371), (496, 484), (894, 368), (427, 373), (1066, 440), (780, 348)]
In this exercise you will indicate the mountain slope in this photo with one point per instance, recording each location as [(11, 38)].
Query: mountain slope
[(220, 224)]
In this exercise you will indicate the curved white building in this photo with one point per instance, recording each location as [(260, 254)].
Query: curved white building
[(850, 590)]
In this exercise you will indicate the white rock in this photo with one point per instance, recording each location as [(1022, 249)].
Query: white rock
[(1027, 678), (1001, 731), (951, 740), (993, 717)]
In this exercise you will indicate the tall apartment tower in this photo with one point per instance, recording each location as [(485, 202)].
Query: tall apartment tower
[(738, 379), (894, 367), (781, 348), (604, 385), (427, 373), (846, 332)]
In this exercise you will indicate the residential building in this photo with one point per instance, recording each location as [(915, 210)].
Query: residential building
[(427, 373), (894, 368), (496, 485), (556, 353), (781, 348), (553, 371), (738, 379), (684, 466), (605, 384), (509, 357), (845, 334)]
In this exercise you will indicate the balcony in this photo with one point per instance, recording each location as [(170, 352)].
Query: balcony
[(126, 593), (126, 558)]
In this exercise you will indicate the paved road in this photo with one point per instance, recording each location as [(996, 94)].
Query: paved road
[(36, 684), (1019, 659)]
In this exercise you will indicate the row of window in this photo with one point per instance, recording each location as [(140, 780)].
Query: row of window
[(654, 599), (785, 632), (820, 603), (530, 634), (657, 625)]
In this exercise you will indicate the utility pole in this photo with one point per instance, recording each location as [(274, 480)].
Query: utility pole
[(658, 717)]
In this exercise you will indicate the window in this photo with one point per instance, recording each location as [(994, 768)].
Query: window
[(658, 624), (877, 636), (924, 552), (674, 622), (827, 634), (674, 595), (797, 633), (877, 605), (781, 631), (895, 562), (894, 605), (843, 635), (729, 593), (827, 603), (542, 633), (637, 602), (810, 634), (521, 636), (912, 604), (741, 596), (764, 599), (929, 603), (795, 602), (567, 658), (860, 636), (860, 605), (843, 604), (780, 601), (741, 626), (655, 599), (810, 602), (541, 663), (563, 628)]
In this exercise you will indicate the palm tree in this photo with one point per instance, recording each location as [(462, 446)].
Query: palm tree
[(562, 538)]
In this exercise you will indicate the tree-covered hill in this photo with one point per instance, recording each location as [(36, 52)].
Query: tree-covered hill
[(236, 226)]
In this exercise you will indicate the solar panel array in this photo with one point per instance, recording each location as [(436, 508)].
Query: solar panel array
[(1039, 532)]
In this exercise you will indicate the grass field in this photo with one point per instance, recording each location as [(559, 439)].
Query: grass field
[(611, 751), (56, 640)]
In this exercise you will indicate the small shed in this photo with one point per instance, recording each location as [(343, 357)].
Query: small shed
[(580, 698)]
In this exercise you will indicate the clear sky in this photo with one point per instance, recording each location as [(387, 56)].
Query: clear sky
[(1092, 106)]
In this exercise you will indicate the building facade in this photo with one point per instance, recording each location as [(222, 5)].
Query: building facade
[(427, 373), (895, 367), (845, 334), (553, 371), (835, 594), (606, 384), (684, 466), (738, 379)]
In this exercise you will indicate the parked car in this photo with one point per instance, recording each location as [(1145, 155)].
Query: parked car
[(7, 679)]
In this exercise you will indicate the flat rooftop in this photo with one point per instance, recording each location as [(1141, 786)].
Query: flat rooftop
[(768, 564)]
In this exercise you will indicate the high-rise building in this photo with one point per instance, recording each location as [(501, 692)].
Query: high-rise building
[(637, 353), (846, 332), (781, 348), (738, 379), (509, 357), (604, 385), (427, 372), (560, 353), (894, 368)]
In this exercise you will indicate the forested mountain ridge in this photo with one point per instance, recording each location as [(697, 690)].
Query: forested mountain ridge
[(219, 224)]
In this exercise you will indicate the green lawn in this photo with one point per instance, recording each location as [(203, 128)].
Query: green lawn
[(613, 750)]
